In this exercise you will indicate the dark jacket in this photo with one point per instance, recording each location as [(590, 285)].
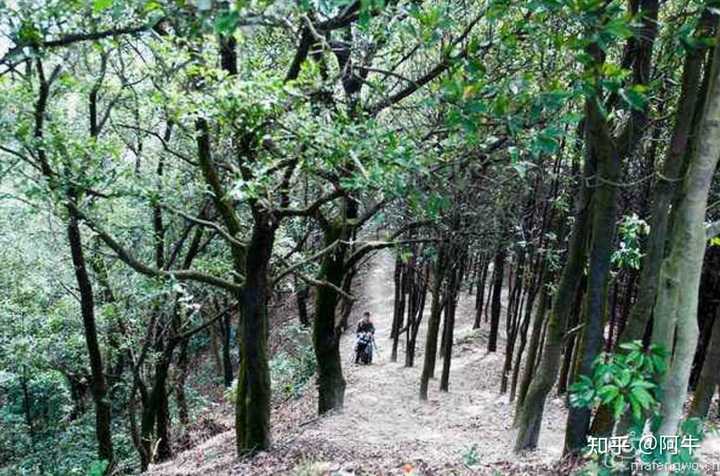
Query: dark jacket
[(365, 327)]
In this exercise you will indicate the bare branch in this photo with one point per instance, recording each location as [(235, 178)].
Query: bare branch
[(312, 208), (314, 257), (124, 255), (210, 224)]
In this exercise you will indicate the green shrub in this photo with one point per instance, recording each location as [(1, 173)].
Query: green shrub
[(626, 381), (291, 367)]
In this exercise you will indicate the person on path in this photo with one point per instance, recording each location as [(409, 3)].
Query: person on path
[(364, 339)]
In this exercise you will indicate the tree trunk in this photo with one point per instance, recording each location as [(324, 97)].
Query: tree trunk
[(498, 266), (480, 292), (532, 295), (603, 231), (398, 307), (155, 420), (252, 416), (710, 374), (227, 360), (530, 413), (420, 296), (513, 322), (326, 335), (433, 325), (87, 308), (301, 297), (664, 191), (451, 302), (180, 398), (534, 345), (677, 299)]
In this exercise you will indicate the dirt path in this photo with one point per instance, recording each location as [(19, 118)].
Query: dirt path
[(384, 417)]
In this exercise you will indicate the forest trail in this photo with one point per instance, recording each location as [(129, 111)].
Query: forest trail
[(384, 426), (383, 415)]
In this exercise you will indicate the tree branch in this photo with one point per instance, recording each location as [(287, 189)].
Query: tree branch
[(124, 255), (310, 209), (317, 255), (430, 75)]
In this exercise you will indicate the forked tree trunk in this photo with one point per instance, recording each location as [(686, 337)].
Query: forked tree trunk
[(686, 118), (398, 307), (532, 295), (603, 231), (450, 305), (677, 301), (226, 323), (180, 396), (433, 325), (480, 292), (419, 295), (533, 345), (155, 417), (664, 191), (301, 297), (514, 324)]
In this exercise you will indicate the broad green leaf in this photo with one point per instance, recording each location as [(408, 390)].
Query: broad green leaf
[(608, 393), (642, 396)]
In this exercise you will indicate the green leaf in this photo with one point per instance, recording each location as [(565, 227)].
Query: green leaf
[(608, 392), (623, 378), (643, 384), (642, 396), (618, 28), (618, 406), (226, 23), (101, 5), (151, 6), (634, 97), (97, 468)]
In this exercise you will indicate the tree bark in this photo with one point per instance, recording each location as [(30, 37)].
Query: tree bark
[(180, 397), (451, 303), (496, 306), (480, 292), (87, 308), (226, 322), (664, 191), (603, 231), (301, 297), (709, 375), (252, 416), (433, 325), (398, 307), (677, 298), (533, 345), (326, 336)]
